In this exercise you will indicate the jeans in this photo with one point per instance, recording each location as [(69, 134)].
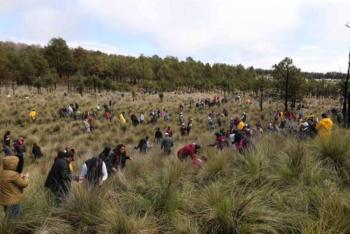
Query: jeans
[(12, 211)]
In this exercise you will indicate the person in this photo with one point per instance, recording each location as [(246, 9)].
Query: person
[(324, 127), (189, 126), (94, 171), (12, 184), (158, 136), (107, 115), (7, 143), (59, 177), (169, 131), (240, 142), (239, 123), (142, 118), (167, 144), (86, 125), (122, 119), (92, 122), (70, 154), (134, 120), (189, 150), (143, 145), (119, 157), (183, 129), (105, 156), (20, 150), (221, 140), (7, 139), (33, 115), (36, 151)]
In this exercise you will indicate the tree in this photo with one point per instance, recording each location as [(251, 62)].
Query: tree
[(344, 85), (287, 81), (79, 83), (60, 57), (107, 84)]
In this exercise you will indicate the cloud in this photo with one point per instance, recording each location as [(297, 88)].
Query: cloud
[(189, 26), (250, 32)]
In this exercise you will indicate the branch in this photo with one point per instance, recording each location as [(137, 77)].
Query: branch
[(347, 25)]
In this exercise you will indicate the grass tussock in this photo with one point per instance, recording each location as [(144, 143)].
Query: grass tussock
[(282, 185)]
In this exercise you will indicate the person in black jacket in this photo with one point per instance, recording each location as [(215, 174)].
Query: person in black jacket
[(59, 177), (36, 151), (143, 145), (158, 136)]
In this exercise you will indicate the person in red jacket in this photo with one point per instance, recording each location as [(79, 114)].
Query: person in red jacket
[(189, 150)]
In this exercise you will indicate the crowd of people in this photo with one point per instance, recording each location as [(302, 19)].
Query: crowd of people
[(233, 133)]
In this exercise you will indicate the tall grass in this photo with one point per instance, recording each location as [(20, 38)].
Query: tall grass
[(283, 185)]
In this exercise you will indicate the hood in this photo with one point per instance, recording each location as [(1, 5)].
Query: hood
[(10, 163), (327, 123)]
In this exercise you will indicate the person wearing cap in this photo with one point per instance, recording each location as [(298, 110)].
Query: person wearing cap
[(167, 144), (59, 178), (324, 127), (189, 150), (12, 184)]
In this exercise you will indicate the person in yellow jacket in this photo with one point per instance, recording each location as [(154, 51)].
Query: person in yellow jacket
[(11, 187), (324, 126), (122, 119), (33, 115), (239, 123)]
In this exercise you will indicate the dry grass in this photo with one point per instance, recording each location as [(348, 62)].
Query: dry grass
[(282, 186)]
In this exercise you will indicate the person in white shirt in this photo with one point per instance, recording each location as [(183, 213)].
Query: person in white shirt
[(94, 171)]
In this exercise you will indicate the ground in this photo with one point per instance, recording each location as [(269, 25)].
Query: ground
[(283, 185)]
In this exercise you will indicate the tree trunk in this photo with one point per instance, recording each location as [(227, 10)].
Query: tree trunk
[(261, 101), (13, 87), (286, 91), (346, 109)]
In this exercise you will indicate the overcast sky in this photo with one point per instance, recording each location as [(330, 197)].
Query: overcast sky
[(255, 33)]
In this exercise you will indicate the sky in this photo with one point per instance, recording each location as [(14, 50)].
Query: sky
[(257, 33)]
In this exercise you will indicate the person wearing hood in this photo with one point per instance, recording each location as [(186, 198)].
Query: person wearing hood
[(324, 127), (12, 184)]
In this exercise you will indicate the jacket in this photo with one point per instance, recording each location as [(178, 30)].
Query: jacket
[(188, 150), (122, 120), (11, 183), (324, 128), (166, 145), (59, 179)]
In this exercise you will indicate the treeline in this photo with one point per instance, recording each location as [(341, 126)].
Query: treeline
[(83, 70)]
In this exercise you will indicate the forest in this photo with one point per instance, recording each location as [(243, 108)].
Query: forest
[(83, 70)]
